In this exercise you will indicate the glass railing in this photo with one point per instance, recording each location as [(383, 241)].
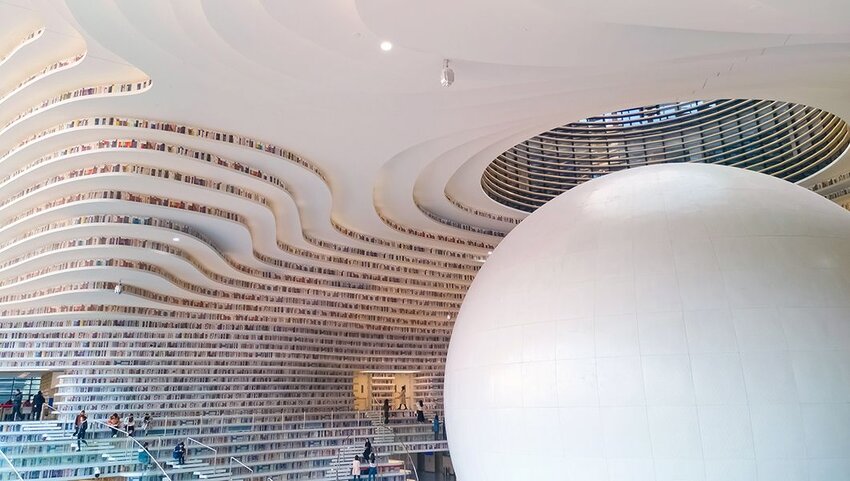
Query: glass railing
[(50, 450)]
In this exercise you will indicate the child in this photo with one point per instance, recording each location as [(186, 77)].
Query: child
[(355, 469)]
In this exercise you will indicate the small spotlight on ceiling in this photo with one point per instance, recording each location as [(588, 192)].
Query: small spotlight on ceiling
[(449, 317), (489, 252), (386, 46), (175, 239)]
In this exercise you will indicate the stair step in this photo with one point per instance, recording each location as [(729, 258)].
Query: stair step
[(187, 463), (209, 471), (185, 468), (217, 474), (128, 457), (45, 429)]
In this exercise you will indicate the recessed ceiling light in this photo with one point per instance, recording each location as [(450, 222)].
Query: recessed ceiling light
[(449, 317), (175, 239), (489, 252), (386, 46)]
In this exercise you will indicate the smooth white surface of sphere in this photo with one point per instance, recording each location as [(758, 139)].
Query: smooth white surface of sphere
[(684, 322)]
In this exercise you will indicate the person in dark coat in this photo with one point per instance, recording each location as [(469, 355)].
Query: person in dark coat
[(179, 453), (367, 450), (386, 408), (82, 427), (37, 405), (17, 401)]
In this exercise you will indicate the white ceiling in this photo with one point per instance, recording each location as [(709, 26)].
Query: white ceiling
[(310, 76)]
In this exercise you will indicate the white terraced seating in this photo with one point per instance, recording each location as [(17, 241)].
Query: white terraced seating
[(45, 449), (200, 470), (40, 426), (298, 446), (187, 467)]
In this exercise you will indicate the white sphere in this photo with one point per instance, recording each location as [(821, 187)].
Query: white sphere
[(683, 322)]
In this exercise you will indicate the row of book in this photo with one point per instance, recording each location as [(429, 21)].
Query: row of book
[(508, 219), (288, 282), (399, 309), (30, 37), (80, 93), (202, 182), (237, 140), (181, 317), (309, 295), (43, 72)]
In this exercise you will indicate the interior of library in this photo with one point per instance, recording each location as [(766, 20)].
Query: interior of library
[(269, 240)]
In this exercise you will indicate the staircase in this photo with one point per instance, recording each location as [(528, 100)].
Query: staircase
[(383, 434), (114, 457), (340, 467), (200, 470), (47, 430)]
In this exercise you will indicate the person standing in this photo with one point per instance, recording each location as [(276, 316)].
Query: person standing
[(114, 423), (436, 427), (402, 398), (81, 429), (146, 424), (373, 468), (79, 420), (131, 425), (179, 453), (367, 450), (355, 469), (37, 406), (420, 412), (26, 409), (144, 456), (17, 401), (386, 411)]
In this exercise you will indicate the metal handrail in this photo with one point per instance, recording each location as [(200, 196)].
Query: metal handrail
[(215, 452), (338, 453), (48, 406), (201, 444), (230, 468), (14, 469), (131, 438)]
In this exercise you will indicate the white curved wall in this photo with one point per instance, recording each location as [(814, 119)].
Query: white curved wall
[(678, 322)]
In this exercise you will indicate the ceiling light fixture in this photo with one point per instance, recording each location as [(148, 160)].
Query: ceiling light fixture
[(447, 75), (386, 46), (175, 239)]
